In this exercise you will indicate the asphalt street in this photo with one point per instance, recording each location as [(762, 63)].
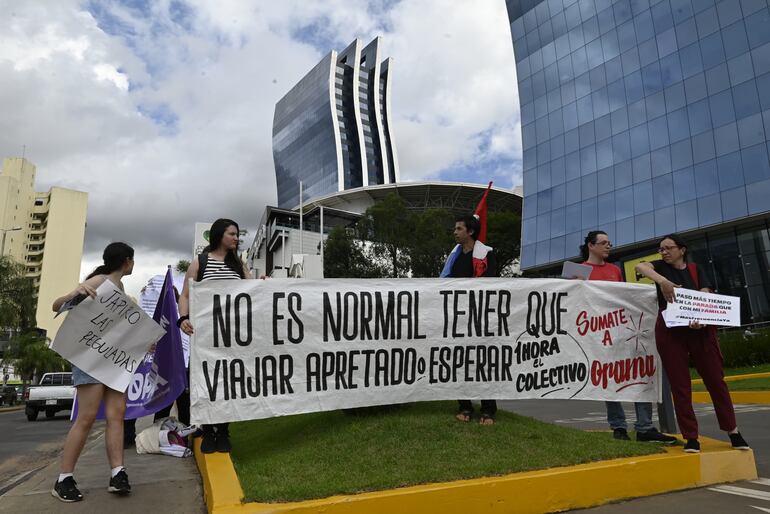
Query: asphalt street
[(27, 446), (737, 498)]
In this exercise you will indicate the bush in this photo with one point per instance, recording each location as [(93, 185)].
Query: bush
[(739, 350)]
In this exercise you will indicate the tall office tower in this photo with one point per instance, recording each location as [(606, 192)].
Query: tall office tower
[(331, 130), (43, 231), (642, 118)]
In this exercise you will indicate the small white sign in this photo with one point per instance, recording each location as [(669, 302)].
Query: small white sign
[(705, 308), (107, 336), (574, 270)]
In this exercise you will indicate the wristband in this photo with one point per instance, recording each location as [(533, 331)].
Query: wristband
[(181, 320)]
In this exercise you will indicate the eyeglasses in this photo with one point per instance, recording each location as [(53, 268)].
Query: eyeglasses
[(604, 243), (666, 248)]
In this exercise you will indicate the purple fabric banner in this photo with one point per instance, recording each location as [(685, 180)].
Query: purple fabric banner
[(161, 377)]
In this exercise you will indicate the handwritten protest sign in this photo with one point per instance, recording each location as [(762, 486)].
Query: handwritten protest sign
[(280, 347), (107, 336), (706, 308)]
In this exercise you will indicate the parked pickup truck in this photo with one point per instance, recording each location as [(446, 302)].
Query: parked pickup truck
[(54, 393)]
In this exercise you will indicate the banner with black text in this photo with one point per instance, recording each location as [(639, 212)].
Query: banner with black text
[(265, 348)]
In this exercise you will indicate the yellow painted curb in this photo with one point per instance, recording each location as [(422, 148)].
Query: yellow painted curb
[(221, 487), (735, 378), (548, 490), (758, 397)]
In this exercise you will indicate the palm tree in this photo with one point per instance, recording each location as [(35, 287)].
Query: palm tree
[(17, 301)]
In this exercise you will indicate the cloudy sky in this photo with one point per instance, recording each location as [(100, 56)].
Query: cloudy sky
[(162, 110)]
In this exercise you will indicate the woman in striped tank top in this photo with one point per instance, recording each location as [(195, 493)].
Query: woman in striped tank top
[(219, 261)]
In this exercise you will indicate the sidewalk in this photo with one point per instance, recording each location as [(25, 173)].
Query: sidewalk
[(157, 481)]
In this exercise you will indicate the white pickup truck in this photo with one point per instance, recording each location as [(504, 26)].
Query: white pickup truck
[(54, 393)]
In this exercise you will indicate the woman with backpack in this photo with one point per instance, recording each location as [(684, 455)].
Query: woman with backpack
[(678, 344), (218, 261)]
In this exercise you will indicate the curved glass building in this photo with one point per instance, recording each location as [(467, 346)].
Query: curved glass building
[(331, 130), (646, 117)]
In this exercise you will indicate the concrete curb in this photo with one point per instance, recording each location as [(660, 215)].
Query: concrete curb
[(12, 408), (751, 397), (548, 490), (735, 378)]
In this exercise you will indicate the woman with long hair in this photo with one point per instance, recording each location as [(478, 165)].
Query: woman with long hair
[(118, 262), (678, 345), (219, 261)]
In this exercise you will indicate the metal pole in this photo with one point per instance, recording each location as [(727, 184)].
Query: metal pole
[(300, 219), (666, 415), (283, 249), (322, 234)]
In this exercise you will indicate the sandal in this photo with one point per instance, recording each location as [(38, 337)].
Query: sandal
[(486, 419), (464, 416)]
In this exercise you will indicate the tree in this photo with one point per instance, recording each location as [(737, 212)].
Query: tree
[(30, 355), (386, 226), (17, 301), (430, 241), (344, 256), (182, 266), (504, 235)]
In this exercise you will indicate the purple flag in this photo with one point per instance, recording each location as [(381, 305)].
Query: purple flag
[(161, 377)]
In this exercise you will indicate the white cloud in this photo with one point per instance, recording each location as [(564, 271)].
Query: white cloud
[(165, 116)]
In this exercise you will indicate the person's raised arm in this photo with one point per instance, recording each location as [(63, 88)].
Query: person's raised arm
[(87, 288), (246, 272), (646, 269)]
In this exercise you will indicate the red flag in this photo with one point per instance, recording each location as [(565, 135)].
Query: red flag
[(481, 214)]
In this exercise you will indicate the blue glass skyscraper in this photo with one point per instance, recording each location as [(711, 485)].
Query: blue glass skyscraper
[(332, 131), (646, 117)]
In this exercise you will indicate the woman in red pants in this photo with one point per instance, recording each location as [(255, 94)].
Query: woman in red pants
[(677, 345)]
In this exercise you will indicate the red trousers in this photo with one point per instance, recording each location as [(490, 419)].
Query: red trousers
[(676, 346)]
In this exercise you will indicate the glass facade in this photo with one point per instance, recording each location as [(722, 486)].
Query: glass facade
[(330, 131), (304, 146), (641, 118)]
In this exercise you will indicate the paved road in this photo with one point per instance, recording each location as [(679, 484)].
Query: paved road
[(26, 446), (741, 497)]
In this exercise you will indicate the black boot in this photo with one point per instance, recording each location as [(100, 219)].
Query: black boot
[(223, 439), (209, 441)]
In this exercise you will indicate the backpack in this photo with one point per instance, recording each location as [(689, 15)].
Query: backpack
[(203, 260)]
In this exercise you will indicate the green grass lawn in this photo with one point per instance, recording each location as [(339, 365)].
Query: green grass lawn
[(322, 454), (750, 384), (760, 368)]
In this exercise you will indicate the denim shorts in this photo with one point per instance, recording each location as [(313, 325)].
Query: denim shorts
[(80, 377)]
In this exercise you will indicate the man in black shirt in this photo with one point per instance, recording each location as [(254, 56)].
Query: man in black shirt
[(473, 259)]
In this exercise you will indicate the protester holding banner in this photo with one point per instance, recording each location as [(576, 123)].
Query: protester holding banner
[(677, 345), (118, 262), (595, 252), (471, 258), (218, 261)]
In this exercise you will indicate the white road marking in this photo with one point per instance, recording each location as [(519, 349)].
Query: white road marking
[(741, 491), (704, 410), (761, 481), (760, 508)]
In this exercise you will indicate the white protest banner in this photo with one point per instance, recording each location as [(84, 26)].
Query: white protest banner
[(107, 336), (706, 308), (265, 348)]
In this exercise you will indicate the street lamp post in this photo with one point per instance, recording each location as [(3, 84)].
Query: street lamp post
[(4, 231)]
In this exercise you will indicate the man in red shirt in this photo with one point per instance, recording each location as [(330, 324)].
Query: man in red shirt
[(595, 252)]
